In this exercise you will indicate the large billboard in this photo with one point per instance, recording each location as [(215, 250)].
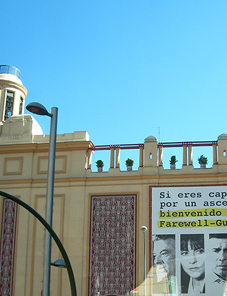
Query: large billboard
[(189, 239)]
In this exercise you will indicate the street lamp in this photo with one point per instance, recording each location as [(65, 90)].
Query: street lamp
[(144, 229), (52, 233), (39, 109)]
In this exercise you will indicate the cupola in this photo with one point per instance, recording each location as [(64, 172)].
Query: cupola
[(12, 93)]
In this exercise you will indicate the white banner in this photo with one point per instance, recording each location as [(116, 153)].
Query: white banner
[(189, 239)]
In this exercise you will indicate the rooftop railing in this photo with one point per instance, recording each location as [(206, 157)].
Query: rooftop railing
[(9, 70), (151, 152)]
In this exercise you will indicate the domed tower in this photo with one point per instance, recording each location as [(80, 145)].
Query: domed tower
[(15, 126), (12, 93)]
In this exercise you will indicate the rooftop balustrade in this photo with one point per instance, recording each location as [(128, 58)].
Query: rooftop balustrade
[(151, 152)]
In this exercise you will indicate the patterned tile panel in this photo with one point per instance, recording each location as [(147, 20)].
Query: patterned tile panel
[(112, 245), (7, 247)]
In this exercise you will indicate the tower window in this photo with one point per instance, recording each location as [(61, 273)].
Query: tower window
[(9, 104), (21, 106)]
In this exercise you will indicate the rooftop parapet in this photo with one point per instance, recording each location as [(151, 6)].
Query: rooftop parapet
[(151, 154)]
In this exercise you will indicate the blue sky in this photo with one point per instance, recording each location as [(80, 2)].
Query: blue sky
[(121, 68)]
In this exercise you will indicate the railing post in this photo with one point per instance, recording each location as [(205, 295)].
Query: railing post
[(222, 148), (141, 156), (89, 158), (160, 158), (184, 155), (112, 157), (190, 159), (117, 157), (215, 161), (150, 152)]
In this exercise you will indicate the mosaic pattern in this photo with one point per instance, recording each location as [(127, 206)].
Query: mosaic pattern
[(7, 246), (112, 245)]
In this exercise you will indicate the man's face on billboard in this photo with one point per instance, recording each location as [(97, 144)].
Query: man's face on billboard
[(164, 254), (218, 256)]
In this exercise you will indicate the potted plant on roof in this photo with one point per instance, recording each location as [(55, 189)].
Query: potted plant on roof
[(129, 163), (100, 165), (172, 162), (202, 161)]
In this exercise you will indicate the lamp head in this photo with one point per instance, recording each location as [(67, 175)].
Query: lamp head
[(37, 108), (143, 228), (59, 263)]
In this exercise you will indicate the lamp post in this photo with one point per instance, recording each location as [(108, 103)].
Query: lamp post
[(144, 229), (39, 109)]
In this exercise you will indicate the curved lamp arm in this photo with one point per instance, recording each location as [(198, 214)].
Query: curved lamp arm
[(53, 234)]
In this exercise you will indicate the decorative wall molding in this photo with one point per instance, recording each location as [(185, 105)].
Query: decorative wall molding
[(60, 164), (13, 166)]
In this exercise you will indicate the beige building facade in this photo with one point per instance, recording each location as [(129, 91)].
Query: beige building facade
[(97, 215)]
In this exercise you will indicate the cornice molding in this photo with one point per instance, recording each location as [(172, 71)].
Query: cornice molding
[(152, 180), (6, 83), (44, 147)]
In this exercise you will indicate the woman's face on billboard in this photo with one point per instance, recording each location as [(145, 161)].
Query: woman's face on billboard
[(193, 261)]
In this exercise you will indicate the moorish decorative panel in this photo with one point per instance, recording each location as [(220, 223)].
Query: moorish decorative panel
[(112, 245), (9, 216)]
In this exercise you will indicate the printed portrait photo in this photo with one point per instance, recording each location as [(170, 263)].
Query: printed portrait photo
[(217, 258), (164, 258), (192, 259)]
